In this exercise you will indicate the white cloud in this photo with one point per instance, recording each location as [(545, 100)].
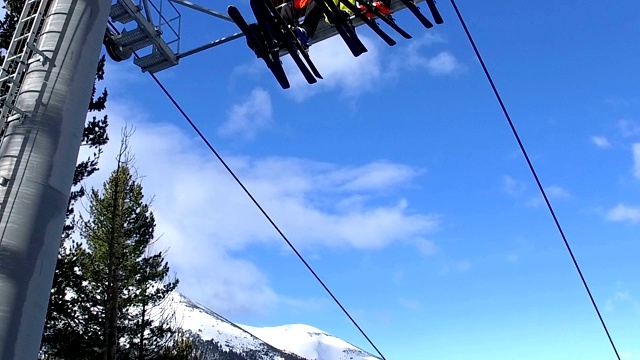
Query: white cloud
[(228, 284), (622, 213), (513, 258), (398, 276), (378, 175), (553, 192), (622, 298), (426, 247), (206, 220), (249, 117), (513, 186), (636, 160), (341, 71), (601, 142), (411, 304), (463, 266), (412, 56), (353, 76), (557, 192), (626, 355), (442, 64), (629, 127), (460, 266)]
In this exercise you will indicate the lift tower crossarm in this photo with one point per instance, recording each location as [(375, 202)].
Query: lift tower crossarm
[(145, 34), (203, 9)]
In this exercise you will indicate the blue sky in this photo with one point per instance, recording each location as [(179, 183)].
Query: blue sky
[(399, 180)]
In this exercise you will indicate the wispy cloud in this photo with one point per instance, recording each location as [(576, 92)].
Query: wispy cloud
[(629, 127), (513, 257), (624, 213), (415, 56), (626, 355), (636, 160), (553, 192), (206, 220), (621, 298), (398, 276), (463, 266), (411, 304), (443, 64), (519, 189), (513, 187), (601, 142), (459, 266), (249, 117), (378, 175), (426, 247), (355, 76)]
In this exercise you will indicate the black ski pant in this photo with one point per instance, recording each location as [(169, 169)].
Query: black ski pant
[(312, 16)]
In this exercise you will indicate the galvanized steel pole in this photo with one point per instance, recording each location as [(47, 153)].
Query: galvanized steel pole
[(37, 162)]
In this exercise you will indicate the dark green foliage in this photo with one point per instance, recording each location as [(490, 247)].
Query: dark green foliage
[(183, 348), (8, 24), (114, 283), (211, 350), (98, 103), (121, 276), (95, 137)]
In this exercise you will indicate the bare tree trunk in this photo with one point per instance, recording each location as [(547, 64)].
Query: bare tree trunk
[(113, 291), (142, 327)]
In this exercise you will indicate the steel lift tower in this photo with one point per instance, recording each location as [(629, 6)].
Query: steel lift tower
[(47, 79), (45, 88)]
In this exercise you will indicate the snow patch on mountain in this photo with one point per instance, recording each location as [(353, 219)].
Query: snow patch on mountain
[(209, 325), (309, 342), (278, 342)]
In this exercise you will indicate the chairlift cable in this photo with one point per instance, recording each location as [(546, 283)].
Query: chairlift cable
[(534, 173), (257, 204)]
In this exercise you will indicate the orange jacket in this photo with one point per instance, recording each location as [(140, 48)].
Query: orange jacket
[(298, 4)]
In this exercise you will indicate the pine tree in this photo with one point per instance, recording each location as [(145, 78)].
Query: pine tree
[(114, 283), (125, 280)]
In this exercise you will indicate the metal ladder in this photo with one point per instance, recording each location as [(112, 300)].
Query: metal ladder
[(18, 58)]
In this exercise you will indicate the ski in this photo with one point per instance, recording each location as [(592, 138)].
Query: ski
[(270, 56), (341, 24), (370, 22), (301, 48), (434, 11), (415, 11), (386, 18), (276, 35)]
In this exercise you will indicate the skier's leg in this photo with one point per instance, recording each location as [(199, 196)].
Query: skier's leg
[(313, 15), (288, 13)]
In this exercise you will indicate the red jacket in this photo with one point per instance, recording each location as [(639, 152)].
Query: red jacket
[(298, 4)]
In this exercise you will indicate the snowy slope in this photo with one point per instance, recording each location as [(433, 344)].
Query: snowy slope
[(209, 325), (309, 342), (302, 340)]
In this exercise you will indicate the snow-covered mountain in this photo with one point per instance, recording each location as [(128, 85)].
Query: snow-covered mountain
[(309, 342), (287, 342)]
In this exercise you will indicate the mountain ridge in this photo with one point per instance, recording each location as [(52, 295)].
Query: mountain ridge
[(214, 333)]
